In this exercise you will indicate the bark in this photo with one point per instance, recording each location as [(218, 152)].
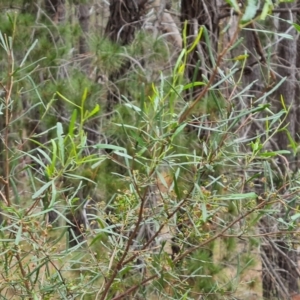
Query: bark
[(124, 20), (84, 21), (125, 17), (197, 13), (256, 57), (164, 21), (286, 54), (252, 76), (56, 10), (297, 98), (83, 15), (279, 257)]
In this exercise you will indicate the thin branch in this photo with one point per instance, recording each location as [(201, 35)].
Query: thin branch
[(126, 250), (268, 266), (132, 289), (286, 257), (243, 216), (266, 234)]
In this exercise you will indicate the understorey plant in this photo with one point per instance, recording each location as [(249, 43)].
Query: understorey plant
[(168, 210)]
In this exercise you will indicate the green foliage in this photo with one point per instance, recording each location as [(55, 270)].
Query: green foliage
[(181, 170), (108, 54)]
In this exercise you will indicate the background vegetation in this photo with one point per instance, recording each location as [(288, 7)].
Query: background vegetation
[(149, 149)]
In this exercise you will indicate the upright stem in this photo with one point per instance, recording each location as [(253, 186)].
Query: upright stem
[(8, 90)]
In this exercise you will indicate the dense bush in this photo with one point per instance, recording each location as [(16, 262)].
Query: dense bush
[(161, 198)]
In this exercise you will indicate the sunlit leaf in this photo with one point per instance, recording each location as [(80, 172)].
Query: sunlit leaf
[(234, 4), (42, 189), (251, 10)]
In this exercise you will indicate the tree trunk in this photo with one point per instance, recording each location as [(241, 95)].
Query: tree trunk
[(198, 13), (297, 99), (253, 76), (125, 18), (56, 10), (279, 257), (286, 54), (84, 21)]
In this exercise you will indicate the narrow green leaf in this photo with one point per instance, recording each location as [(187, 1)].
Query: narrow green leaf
[(250, 11), (46, 156), (108, 146), (139, 141), (28, 52), (3, 43), (72, 123), (176, 187), (295, 217), (178, 130), (211, 52), (84, 96), (42, 190), (204, 212), (19, 235), (162, 180), (61, 148), (179, 62), (53, 195), (122, 154), (293, 143), (98, 163), (238, 196), (280, 34), (67, 100), (296, 26), (196, 41), (283, 103), (193, 84), (75, 193), (79, 177), (54, 156), (274, 153), (37, 160), (184, 35), (234, 4), (134, 107), (94, 111), (267, 8)]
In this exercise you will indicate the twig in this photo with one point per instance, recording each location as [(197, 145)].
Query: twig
[(287, 258), (134, 288), (266, 234), (3, 197), (243, 216), (189, 251), (24, 275), (128, 245), (282, 290)]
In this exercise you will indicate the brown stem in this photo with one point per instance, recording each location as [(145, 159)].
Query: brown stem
[(6, 134), (134, 288), (129, 243), (24, 275), (187, 252), (122, 261)]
